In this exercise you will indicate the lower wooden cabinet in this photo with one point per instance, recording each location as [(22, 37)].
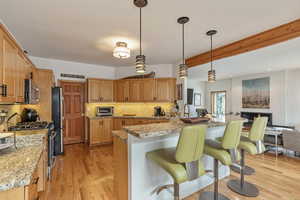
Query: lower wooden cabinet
[(119, 123), (31, 191), (120, 163), (100, 131)]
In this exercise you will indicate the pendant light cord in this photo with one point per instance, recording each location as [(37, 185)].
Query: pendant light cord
[(211, 54), (140, 31), (183, 60)]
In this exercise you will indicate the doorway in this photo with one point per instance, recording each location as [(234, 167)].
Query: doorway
[(74, 121), (218, 103)]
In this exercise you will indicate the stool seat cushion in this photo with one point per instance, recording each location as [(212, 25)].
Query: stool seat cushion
[(220, 154), (165, 158), (247, 145)]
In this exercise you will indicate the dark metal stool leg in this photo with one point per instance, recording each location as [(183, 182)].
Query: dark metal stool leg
[(215, 195), (240, 186), (176, 191), (247, 170)]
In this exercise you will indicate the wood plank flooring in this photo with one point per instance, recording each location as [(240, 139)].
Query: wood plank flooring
[(87, 174)]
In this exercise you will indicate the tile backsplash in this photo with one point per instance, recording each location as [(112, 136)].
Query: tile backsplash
[(138, 109)]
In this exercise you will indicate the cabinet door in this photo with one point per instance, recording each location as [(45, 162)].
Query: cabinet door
[(118, 124), (106, 90), (122, 90), (9, 69), (31, 190), (165, 90), (20, 72), (96, 131), (135, 91), (148, 90), (107, 126), (93, 91)]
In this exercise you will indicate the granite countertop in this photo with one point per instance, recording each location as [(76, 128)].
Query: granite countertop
[(132, 117), (18, 165), (121, 134), (172, 127)]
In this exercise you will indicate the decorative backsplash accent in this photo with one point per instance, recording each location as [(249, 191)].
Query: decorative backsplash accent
[(138, 109)]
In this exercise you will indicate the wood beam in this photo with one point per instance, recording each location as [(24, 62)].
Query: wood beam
[(267, 38)]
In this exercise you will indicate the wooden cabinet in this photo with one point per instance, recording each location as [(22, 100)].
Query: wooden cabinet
[(13, 69), (135, 90), (120, 163), (100, 90), (121, 91), (119, 123), (100, 131), (165, 89), (37, 184), (145, 90), (148, 89)]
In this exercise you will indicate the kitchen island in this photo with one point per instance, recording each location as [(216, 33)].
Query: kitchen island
[(144, 176)]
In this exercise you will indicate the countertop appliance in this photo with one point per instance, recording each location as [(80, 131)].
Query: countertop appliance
[(158, 111), (104, 111), (58, 119), (32, 92), (29, 115)]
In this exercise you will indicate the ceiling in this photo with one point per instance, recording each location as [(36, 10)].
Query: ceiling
[(279, 57), (86, 31)]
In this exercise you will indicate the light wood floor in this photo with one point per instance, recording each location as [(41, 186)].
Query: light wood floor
[(87, 174)]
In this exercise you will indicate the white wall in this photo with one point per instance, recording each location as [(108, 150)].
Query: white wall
[(199, 87), (161, 70), (277, 95), (61, 66), (221, 85), (284, 95), (293, 98)]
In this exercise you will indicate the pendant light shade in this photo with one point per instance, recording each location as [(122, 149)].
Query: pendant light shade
[(211, 72), (183, 68), (140, 63), (121, 51)]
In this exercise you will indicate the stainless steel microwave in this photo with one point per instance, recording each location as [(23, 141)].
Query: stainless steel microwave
[(32, 92), (104, 111)]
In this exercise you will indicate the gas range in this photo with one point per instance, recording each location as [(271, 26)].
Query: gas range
[(21, 126)]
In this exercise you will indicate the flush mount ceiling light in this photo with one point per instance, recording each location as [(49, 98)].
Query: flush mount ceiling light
[(211, 72), (183, 68), (140, 64), (121, 50)]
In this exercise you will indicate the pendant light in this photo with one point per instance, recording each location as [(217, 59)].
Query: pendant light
[(140, 64), (211, 72), (183, 68), (121, 51)]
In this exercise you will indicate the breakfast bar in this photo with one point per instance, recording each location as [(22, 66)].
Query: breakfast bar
[(145, 177)]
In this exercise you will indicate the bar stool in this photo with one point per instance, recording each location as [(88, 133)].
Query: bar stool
[(183, 163), (253, 144), (225, 151)]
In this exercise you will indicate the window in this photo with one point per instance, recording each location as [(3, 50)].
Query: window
[(218, 103)]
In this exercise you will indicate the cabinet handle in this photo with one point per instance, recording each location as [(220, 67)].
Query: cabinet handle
[(36, 180), (4, 90)]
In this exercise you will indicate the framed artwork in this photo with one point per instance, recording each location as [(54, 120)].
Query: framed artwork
[(256, 93), (179, 91), (197, 99)]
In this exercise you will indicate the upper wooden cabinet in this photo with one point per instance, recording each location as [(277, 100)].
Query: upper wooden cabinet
[(135, 90), (100, 90), (165, 89), (145, 90), (148, 89), (14, 68), (121, 90)]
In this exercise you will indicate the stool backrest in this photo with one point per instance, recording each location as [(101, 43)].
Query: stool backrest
[(232, 135), (258, 129), (190, 145)]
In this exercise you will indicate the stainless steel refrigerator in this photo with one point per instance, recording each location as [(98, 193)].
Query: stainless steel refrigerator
[(58, 119)]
